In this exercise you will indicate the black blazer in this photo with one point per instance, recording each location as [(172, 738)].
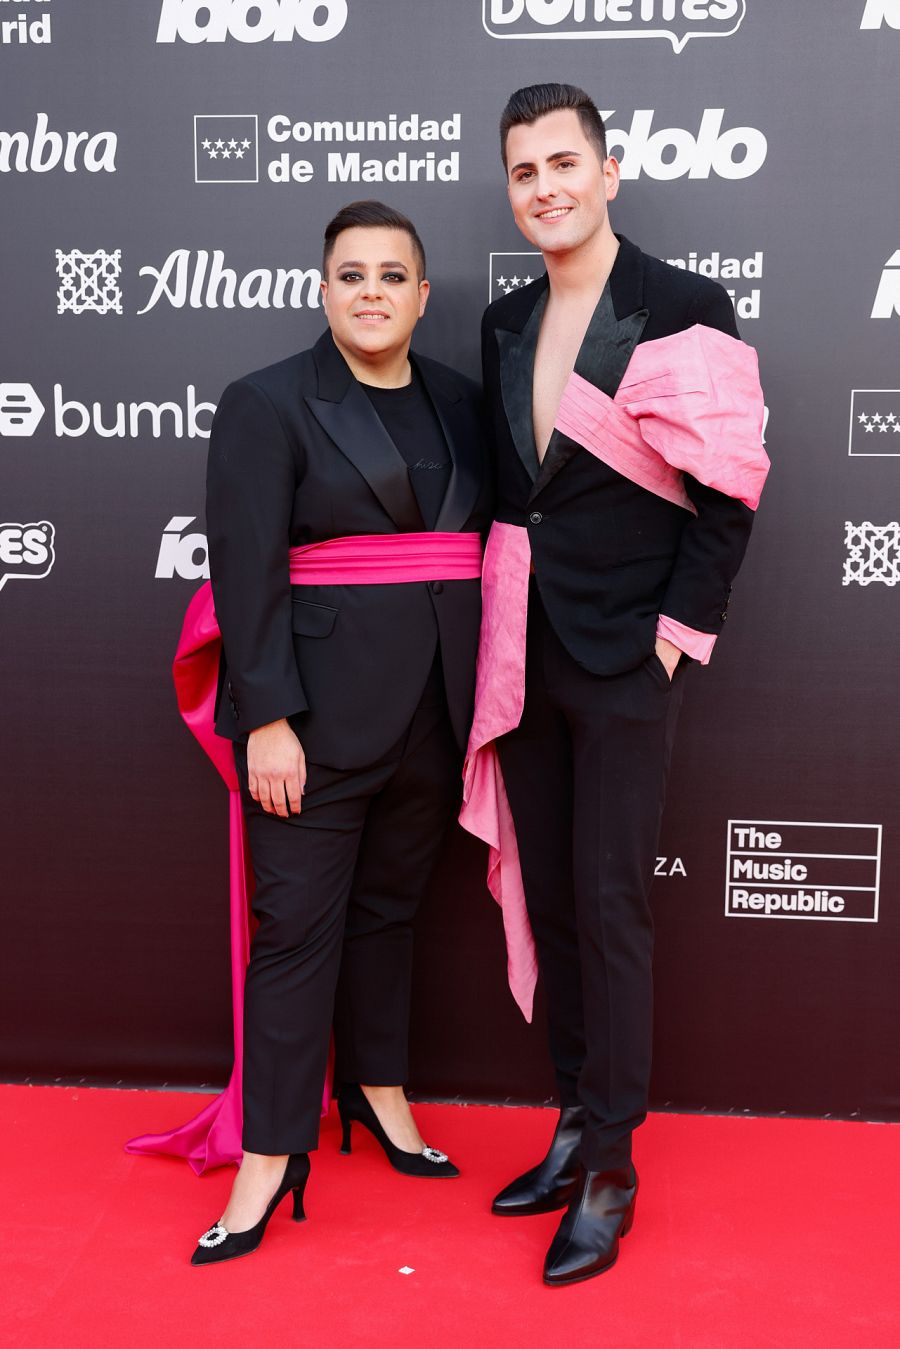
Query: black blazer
[(609, 555), (298, 455)]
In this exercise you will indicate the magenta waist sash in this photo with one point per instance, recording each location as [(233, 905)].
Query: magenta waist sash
[(383, 559), (213, 1138)]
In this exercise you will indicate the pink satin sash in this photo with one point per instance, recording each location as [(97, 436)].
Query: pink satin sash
[(689, 403), (213, 1138)]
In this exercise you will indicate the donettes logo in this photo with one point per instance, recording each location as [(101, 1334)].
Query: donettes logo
[(676, 20)]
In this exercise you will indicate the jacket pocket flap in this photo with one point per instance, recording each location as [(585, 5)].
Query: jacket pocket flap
[(312, 620)]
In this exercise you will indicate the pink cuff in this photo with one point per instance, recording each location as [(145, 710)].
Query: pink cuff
[(699, 645)]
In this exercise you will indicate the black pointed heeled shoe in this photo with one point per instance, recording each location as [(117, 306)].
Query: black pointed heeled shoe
[(219, 1244), (430, 1164)]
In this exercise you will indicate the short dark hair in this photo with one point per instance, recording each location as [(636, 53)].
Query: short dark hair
[(370, 215), (536, 100)]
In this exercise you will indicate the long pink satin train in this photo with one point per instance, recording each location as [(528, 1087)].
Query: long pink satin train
[(213, 1138)]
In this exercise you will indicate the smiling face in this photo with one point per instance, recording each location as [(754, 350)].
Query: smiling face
[(372, 295), (557, 186)]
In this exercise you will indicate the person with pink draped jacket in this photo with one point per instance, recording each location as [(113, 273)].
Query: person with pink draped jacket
[(627, 417)]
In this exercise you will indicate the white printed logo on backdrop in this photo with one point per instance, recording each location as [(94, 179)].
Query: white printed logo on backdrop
[(187, 278), (180, 554), (880, 12), (88, 281), (676, 20), (874, 423), (226, 148), (873, 553), (510, 271), (26, 26), (20, 410), (803, 869), (26, 551), (41, 150), (278, 20), (733, 273), (674, 152), (887, 297)]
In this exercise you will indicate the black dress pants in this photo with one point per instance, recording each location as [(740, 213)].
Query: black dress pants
[(337, 887), (585, 774)]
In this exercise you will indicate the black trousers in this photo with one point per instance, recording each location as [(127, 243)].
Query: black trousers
[(585, 773), (337, 887)]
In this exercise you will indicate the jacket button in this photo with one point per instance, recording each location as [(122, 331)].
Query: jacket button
[(535, 517), (437, 587), (724, 616)]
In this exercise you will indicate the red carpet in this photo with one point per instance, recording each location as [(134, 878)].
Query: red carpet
[(749, 1232)]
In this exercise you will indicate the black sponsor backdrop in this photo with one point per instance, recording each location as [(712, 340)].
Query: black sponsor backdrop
[(114, 825)]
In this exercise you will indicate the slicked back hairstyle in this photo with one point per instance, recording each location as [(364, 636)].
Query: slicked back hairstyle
[(371, 215), (526, 105)]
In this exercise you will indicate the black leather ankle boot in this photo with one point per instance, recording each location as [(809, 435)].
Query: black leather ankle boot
[(587, 1240), (551, 1184)]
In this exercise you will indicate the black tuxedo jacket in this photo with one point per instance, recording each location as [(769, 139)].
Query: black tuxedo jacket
[(298, 455), (610, 556)]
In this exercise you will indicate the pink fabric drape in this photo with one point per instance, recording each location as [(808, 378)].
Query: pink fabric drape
[(213, 1137), (689, 403)]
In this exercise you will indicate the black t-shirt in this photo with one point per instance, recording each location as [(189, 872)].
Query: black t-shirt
[(411, 422)]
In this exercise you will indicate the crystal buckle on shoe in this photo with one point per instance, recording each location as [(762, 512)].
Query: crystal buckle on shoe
[(433, 1155), (214, 1237)]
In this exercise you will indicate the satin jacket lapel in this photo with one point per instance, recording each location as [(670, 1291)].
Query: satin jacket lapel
[(349, 419), (517, 350), (464, 447), (613, 333)]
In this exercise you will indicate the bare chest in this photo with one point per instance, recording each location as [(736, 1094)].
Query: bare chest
[(559, 341)]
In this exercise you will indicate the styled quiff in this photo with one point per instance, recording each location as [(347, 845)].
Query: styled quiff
[(537, 100), (370, 215)]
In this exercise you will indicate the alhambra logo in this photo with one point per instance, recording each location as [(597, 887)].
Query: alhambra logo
[(675, 20), (89, 282)]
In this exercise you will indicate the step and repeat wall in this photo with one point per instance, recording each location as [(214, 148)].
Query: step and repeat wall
[(166, 170)]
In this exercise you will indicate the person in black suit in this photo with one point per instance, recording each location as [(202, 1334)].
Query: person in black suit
[(348, 695), (636, 520)]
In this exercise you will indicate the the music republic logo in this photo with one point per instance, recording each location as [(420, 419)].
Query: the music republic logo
[(803, 869), (676, 20), (26, 551)]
